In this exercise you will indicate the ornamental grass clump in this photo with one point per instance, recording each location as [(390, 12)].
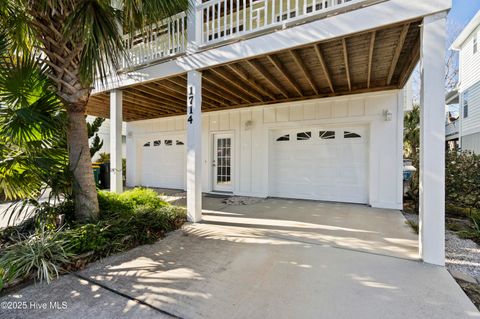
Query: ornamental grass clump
[(41, 256)]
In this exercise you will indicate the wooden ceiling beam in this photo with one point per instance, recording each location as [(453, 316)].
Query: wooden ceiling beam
[(347, 67), (322, 95), (370, 57), (212, 94), (216, 83), (156, 96), (154, 101), (318, 51), (235, 84), (398, 51), (412, 63), (165, 89), (147, 105), (299, 62), (250, 81), (284, 72), (268, 77), (181, 99), (127, 111), (205, 97)]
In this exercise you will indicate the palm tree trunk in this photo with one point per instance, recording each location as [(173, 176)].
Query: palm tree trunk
[(84, 188)]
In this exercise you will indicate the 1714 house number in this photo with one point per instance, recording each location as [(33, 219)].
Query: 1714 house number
[(190, 104)]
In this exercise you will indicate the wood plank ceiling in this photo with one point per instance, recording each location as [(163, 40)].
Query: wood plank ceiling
[(377, 60)]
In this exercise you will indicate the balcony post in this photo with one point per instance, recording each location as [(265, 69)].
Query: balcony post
[(432, 140), (116, 178), (194, 146), (194, 27)]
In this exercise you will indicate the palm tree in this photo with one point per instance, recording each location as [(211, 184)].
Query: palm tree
[(33, 154), (80, 41)]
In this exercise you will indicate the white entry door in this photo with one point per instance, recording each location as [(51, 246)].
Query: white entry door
[(222, 162), (320, 163)]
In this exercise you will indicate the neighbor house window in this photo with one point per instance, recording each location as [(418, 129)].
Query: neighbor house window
[(284, 138), (347, 134), (327, 135), (465, 105)]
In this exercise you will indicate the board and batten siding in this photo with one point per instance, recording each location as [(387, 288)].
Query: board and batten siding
[(252, 141)]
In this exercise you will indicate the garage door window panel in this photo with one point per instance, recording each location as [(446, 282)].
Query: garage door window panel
[(347, 134), (284, 138), (304, 136), (327, 135)]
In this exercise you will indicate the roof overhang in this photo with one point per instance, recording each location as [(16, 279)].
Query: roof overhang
[(375, 60), (452, 97)]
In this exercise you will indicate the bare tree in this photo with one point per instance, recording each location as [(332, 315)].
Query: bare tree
[(451, 63)]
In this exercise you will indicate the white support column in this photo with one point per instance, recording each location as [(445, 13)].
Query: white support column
[(116, 180), (194, 146), (194, 26), (432, 140)]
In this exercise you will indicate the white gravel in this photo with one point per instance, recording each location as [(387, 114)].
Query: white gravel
[(460, 254)]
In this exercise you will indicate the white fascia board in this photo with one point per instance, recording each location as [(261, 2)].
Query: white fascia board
[(466, 32), (359, 20)]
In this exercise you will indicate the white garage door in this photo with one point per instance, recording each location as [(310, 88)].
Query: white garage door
[(323, 164), (163, 162)]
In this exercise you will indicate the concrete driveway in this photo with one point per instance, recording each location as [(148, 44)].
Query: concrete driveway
[(269, 259)]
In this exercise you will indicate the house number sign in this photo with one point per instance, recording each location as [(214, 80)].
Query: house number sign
[(190, 98)]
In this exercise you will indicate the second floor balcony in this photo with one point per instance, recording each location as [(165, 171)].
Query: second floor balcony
[(452, 129), (222, 21)]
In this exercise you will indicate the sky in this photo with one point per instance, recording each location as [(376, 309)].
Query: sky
[(463, 11)]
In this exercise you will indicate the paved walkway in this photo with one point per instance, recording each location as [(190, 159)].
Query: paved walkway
[(271, 259)]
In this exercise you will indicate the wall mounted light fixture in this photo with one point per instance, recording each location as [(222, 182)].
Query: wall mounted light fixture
[(387, 115)]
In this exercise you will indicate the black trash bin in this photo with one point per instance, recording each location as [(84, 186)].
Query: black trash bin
[(105, 176)]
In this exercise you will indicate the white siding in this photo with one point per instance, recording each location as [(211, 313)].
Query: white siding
[(252, 142), (469, 62), (471, 124), (471, 143)]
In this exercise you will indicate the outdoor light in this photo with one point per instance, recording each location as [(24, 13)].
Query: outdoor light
[(387, 115), (248, 125)]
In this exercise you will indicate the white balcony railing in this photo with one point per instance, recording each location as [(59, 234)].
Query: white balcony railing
[(163, 39), (222, 20), (452, 129), (227, 19)]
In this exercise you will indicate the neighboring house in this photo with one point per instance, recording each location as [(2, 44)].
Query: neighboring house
[(296, 99), (452, 122), (469, 85), (104, 134)]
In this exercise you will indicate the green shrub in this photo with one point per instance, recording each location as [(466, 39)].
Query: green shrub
[(86, 238), (41, 255), (128, 201), (127, 220), (133, 218), (462, 180)]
